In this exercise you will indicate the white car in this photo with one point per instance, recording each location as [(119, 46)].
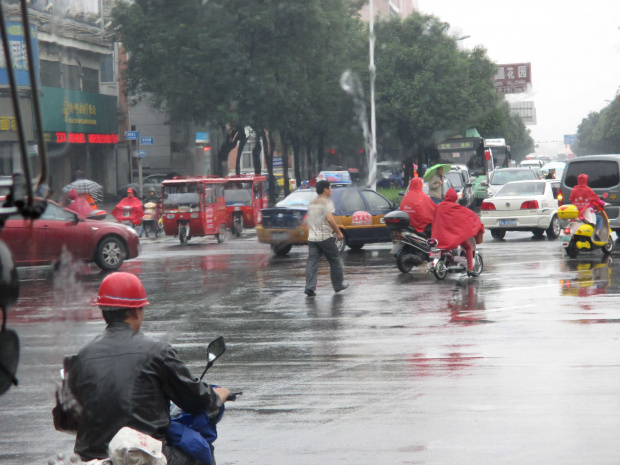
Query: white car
[(523, 206)]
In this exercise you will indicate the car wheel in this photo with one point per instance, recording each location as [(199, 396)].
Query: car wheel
[(110, 253), (609, 247), (571, 249), (554, 228), (538, 233), (341, 244), (356, 246), (498, 234), (281, 249), (440, 271)]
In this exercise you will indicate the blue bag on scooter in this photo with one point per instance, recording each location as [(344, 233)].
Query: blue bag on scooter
[(193, 434)]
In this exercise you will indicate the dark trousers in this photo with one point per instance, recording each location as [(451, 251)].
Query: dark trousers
[(329, 249)]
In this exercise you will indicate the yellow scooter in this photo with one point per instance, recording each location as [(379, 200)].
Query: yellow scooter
[(579, 235)]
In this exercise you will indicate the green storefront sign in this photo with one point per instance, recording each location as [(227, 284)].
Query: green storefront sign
[(73, 111)]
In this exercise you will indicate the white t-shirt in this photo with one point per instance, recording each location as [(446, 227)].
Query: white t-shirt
[(319, 228)]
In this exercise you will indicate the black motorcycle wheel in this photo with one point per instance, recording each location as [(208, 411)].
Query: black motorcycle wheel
[(404, 262), (182, 235), (571, 249), (609, 247), (440, 270)]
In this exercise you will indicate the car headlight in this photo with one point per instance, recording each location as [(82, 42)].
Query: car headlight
[(131, 230)]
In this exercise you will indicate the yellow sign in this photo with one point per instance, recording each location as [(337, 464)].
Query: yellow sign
[(82, 110), (8, 123)]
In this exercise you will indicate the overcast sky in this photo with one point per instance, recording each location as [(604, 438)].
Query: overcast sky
[(573, 45)]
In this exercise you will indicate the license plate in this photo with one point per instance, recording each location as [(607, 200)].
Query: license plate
[(508, 222), (435, 254), (280, 236)]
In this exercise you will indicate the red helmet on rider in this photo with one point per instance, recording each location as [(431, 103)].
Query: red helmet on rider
[(121, 290)]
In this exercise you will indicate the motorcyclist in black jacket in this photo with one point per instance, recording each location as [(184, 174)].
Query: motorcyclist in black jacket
[(123, 378)]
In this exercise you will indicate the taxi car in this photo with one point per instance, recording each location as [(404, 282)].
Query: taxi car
[(523, 206), (42, 241), (358, 212)]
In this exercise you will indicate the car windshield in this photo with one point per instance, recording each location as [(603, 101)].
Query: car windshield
[(521, 189), (182, 197), (298, 199), (238, 193), (455, 179), (500, 178)]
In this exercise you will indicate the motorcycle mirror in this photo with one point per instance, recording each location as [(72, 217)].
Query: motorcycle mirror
[(9, 358), (215, 349)]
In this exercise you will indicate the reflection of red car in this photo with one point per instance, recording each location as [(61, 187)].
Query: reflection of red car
[(42, 241)]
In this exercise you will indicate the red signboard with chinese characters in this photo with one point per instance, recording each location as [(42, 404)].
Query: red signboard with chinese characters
[(81, 138), (513, 79)]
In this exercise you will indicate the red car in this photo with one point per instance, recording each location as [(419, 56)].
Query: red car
[(42, 241)]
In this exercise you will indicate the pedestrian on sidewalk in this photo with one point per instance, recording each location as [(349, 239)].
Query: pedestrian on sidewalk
[(321, 240)]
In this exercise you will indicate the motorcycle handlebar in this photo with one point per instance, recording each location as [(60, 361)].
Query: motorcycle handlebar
[(233, 396)]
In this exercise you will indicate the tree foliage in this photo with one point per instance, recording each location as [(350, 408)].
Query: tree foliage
[(599, 132), (428, 89), (275, 66)]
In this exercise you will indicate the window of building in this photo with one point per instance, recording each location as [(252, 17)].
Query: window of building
[(107, 68), (49, 72), (71, 77), (90, 80)]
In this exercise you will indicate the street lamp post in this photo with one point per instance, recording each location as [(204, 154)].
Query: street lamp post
[(372, 159)]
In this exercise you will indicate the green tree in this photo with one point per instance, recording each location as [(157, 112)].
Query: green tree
[(599, 132), (501, 123)]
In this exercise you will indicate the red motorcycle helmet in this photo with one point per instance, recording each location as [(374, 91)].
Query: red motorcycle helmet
[(123, 290)]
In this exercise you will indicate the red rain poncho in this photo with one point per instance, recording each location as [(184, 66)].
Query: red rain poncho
[(137, 210), (583, 196), (418, 206), (453, 224), (79, 204)]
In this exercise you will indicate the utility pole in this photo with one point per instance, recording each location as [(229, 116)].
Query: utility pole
[(372, 159)]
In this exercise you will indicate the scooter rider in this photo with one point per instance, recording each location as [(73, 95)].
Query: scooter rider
[(419, 207), (455, 225), (123, 378), (583, 197)]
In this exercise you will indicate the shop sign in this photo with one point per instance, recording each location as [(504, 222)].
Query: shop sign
[(8, 122), (80, 138), (17, 44), (513, 79), (72, 111)]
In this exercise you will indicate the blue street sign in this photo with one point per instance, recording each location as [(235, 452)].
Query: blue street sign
[(140, 153), (570, 139), (146, 141), (202, 137), (278, 161), (132, 135)]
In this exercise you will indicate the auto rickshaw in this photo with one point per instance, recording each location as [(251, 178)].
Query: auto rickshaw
[(245, 196), (194, 206)]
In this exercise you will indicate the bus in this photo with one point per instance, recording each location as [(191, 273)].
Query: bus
[(481, 156)]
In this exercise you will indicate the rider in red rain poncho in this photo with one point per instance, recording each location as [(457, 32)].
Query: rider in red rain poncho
[(418, 206), (79, 204), (455, 225), (137, 210), (584, 198)]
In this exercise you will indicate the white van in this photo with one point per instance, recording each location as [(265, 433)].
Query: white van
[(533, 162)]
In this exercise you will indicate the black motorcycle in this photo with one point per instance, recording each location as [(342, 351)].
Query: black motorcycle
[(410, 247)]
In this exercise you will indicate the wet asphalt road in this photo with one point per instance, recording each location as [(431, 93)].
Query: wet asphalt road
[(518, 366)]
